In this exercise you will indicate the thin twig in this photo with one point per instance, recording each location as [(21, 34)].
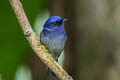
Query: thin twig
[(33, 39)]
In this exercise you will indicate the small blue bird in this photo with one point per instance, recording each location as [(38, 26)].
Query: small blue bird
[(53, 36)]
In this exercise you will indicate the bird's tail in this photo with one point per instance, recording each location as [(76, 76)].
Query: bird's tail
[(60, 61), (50, 73)]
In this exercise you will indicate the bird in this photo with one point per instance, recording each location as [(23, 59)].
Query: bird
[(53, 36)]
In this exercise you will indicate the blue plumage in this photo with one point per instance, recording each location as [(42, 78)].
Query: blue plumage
[(53, 36)]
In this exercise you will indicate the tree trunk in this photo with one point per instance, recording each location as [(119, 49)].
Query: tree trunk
[(92, 51)]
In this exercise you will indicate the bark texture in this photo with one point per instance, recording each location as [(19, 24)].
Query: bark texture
[(93, 47)]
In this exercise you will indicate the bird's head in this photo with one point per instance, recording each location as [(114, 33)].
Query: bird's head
[(54, 22)]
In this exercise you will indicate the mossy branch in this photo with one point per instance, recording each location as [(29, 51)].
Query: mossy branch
[(33, 40)]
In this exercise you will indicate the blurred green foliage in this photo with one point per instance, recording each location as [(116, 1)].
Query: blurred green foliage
[(14, 48)]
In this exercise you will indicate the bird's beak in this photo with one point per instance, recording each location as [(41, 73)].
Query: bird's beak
[(64, 20)]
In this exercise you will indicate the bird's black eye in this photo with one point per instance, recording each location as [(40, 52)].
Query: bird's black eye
[(55, 23)]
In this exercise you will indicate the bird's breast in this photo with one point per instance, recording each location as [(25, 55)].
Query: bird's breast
[(54, 41)]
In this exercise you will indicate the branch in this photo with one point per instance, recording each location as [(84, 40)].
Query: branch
[(33, 39)]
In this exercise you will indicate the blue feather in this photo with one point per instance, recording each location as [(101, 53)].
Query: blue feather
[(53, 36)]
